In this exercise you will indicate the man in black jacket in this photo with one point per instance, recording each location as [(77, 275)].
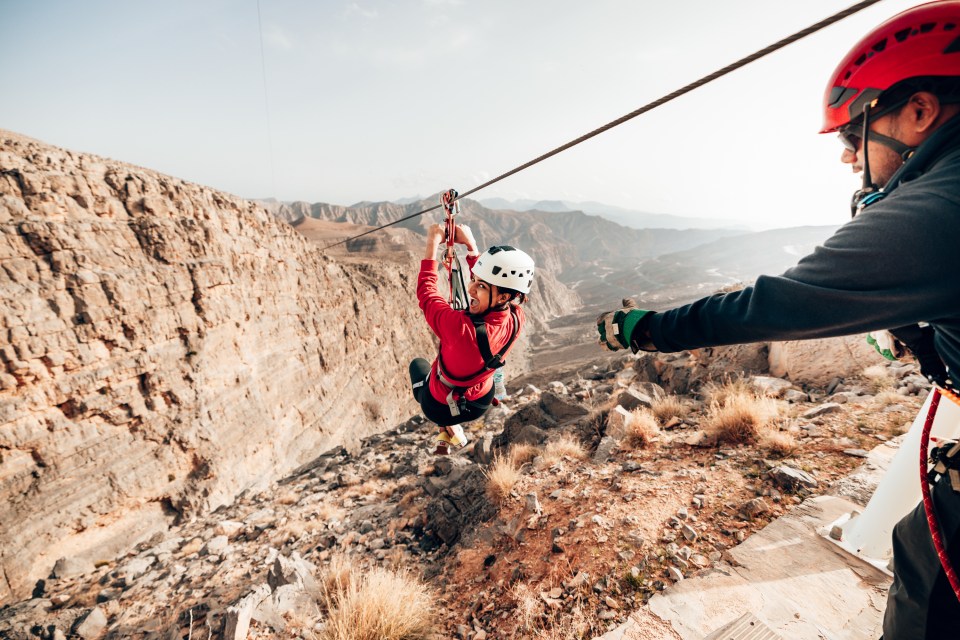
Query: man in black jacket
[(894, 101)]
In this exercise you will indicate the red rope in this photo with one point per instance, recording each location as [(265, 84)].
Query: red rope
[(928, 502)]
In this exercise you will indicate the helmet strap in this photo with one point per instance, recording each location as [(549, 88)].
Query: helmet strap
[(869, 192), (867, 188), (490, 306), (867, 185)]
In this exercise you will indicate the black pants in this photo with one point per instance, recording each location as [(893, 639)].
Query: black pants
[(437, 411), (921, 604)]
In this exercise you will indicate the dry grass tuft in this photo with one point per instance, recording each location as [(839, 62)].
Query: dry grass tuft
[(566, 446), (669, 407), (879, 378), (529, 606), (410, 497), (642, 428), (740, 417), (337, 575), (287, 498), (327, 512), (502, 477), (886, 398), (719, 392), (522, 453), (377, 604), (535, 620), (779, 443), (296, 529)]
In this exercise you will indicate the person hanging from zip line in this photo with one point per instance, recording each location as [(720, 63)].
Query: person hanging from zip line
[(458, 386), (894, 101)]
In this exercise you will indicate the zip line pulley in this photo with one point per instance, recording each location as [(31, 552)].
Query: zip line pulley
[(451, 261)]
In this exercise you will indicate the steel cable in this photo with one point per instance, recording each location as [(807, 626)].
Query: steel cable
[(633, 114)]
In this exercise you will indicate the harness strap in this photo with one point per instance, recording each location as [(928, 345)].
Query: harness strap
[(491, 362)]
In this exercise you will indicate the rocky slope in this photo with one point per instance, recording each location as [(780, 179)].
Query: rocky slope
[(164, 347), (580, 540)]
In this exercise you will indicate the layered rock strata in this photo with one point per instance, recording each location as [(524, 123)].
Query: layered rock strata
[(164, 347)]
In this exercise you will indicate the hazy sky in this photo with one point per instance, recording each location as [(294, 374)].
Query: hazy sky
[(378, 100)]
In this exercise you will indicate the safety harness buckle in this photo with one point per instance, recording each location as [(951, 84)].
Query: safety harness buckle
[(945, 460)]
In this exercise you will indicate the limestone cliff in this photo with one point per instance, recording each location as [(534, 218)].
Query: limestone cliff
[(165, 346)]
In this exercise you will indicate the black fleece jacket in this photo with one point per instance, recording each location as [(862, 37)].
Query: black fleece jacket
[(895, 264)]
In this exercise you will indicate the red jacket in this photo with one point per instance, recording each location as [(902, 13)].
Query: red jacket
[(458, 338)]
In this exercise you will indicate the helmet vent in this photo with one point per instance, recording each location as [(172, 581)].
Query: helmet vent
[(953, 47), (859, 61), (496, 269), (927, 27), (902, 35), (880, 46)]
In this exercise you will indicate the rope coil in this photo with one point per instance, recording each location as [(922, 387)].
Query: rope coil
[(925, 489)]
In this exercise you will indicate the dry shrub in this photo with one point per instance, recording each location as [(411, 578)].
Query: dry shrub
[(566, 446), (642, 428), (522, 453), (879, 377), (668, 407), (740, 417), (377, 604), (779, 443), (502, 477)]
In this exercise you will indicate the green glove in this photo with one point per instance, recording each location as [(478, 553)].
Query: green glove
[(616, 327), (885, 344)]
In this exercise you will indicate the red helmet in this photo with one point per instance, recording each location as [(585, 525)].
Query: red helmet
[(922, 41)]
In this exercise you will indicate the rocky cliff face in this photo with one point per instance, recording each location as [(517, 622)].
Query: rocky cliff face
[(164, 347)]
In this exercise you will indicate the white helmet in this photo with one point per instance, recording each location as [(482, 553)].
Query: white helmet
[(505, 267)]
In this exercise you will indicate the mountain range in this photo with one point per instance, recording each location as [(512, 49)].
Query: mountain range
[(627, 217), (600, 259)]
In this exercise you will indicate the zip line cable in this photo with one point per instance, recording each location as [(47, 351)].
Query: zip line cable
[(633, 114), (266, 104)]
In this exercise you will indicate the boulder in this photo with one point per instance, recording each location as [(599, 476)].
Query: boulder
[(817, 362), (561, 409)]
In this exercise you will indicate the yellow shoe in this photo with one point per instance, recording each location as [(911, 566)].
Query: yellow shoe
[(457, 437)]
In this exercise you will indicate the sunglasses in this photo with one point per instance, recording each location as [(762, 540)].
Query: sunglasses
[(851, 138)]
